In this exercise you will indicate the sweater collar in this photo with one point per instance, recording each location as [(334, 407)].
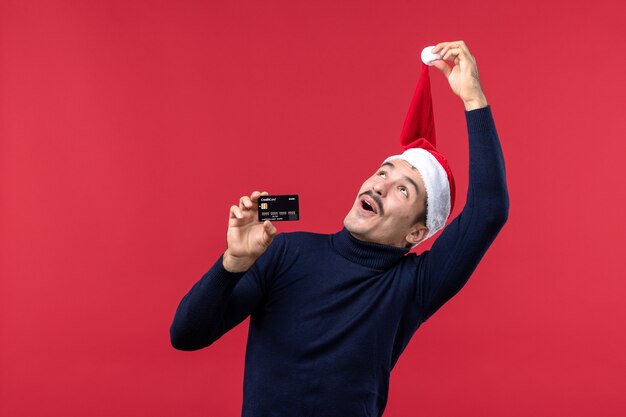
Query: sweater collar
[(372, 255)]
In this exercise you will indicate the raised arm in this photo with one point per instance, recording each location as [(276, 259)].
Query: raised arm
[(444, 269), (235, 284)]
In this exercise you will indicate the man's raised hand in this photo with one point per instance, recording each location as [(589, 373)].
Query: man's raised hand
[(247, 238), (463, 76)]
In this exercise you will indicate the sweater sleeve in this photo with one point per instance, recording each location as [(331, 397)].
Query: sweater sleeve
[(221, 299), (446, 267)]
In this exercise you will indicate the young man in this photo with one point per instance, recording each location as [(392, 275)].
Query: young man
[(331, 314)]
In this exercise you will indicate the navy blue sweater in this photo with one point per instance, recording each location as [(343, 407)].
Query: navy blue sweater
[(330, 315)]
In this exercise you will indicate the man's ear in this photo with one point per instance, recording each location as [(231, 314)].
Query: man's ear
[(417, 234)]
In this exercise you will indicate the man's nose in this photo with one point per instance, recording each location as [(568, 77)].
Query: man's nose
[(379, 188)]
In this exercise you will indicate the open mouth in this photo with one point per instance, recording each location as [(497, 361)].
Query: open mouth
[(369, 205)]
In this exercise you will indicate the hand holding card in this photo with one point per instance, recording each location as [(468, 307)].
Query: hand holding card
[(247, 238)]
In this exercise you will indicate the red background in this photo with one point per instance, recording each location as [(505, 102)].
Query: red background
[(127, 129)]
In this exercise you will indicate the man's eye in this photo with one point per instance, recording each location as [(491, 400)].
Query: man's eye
[(404, 191), (382, 174)]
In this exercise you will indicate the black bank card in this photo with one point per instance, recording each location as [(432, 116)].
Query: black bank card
[(279, 208)]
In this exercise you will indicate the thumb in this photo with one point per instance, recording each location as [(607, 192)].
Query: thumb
[(442, 66), (270, 229)]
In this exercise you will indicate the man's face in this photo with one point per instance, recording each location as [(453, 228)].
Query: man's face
[(387, 206)]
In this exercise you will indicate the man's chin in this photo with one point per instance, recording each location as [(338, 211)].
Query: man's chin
[(359, 227), (349, 223), (362, 229)]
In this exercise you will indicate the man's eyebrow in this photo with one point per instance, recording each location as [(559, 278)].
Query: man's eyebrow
[(413, 183), (409, 179)]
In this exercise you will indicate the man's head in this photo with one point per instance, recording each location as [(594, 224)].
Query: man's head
[(390, 207), (406, 201)]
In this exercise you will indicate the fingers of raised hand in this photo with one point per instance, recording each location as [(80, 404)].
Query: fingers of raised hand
[(453, 53), (442, 45), (245, 203), (235, 212), (269, 228), (438, 49), (450, 51), (247, 207), (254, 197)]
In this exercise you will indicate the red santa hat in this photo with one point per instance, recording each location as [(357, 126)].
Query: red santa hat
[(418, 140)]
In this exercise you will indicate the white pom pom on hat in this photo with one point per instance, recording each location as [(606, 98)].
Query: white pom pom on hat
[(428, 57), (418, 139)]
